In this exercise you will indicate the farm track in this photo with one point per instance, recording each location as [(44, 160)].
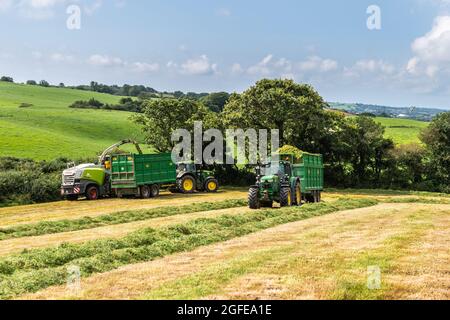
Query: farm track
[(73, 210), (321, 258)]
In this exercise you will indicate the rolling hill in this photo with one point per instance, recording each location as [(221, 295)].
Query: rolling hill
[(48, 128)]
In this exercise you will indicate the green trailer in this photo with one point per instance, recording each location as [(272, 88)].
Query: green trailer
[(144, 175), (291, 180)]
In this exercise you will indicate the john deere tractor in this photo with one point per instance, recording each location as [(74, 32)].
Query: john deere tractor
[(192, 177), (91, 180), (288, 181)]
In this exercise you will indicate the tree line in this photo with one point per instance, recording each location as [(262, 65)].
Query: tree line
[(355, 150)]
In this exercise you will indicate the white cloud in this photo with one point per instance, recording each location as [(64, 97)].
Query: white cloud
[(318, 64), (224, 12), (59, 57), (432, 51), (5, 4), (105, 61), (144, 67), (236, 68), (198, 66), (262, 68)]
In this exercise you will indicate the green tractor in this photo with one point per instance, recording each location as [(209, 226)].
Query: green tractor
[(91, 180), (288, 181), (192, 177)]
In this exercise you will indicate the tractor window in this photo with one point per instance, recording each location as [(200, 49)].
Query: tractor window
[(274, 169)]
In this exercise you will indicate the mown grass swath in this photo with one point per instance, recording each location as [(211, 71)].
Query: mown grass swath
[(58, 226), (38, 269)]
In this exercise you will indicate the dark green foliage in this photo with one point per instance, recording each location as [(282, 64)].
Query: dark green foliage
[(38, 269), (25, 181), (125, 104), (6, 79)]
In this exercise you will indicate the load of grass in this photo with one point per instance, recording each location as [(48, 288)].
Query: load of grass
[(58, 226), (42, 268)]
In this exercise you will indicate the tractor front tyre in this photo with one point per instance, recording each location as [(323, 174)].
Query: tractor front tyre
[(211, 185), (92, 193), (253, 199), (285, 197), (187, 184)]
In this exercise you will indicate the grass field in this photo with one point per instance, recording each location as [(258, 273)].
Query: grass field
[(49, 128), (403, 131), (211, 246)]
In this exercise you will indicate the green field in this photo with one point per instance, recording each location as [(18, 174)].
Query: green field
[(402, 131), (49, 128)]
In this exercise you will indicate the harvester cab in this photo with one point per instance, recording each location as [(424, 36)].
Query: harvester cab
[(192, 177), (91, 180)]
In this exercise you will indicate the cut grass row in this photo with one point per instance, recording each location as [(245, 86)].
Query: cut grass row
[(58, 226), (38, 269)]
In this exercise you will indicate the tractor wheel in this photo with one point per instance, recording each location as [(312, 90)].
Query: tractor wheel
[(146, 192), (285, 197), (211, 185), (92, 193), (154, 191), (187, 184), (253, 199), (297, 195)]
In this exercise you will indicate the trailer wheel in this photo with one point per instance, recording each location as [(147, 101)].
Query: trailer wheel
[(92, 193), (187, 184), (154, 190), (285, 197), (253, 199), (211, 185), (145, 192)]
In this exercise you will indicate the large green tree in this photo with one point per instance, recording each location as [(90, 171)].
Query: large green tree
[(437, 140), (160, 117), (276, 104)]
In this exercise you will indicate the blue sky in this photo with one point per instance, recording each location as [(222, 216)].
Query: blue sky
[(207, 45)]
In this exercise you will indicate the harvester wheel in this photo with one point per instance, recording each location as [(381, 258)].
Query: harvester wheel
[(211, 185), (285, 197), (187, 184), (146, 192), (92, 193), (253, 199), (154, 190)]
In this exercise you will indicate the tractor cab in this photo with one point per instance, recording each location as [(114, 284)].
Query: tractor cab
[(192, 177)]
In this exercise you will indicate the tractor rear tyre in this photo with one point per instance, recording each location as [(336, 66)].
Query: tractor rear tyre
[(154, 191), (253, 199), (211, 185), (146, 192), (92, 193), (187, 184), (285, 197)]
